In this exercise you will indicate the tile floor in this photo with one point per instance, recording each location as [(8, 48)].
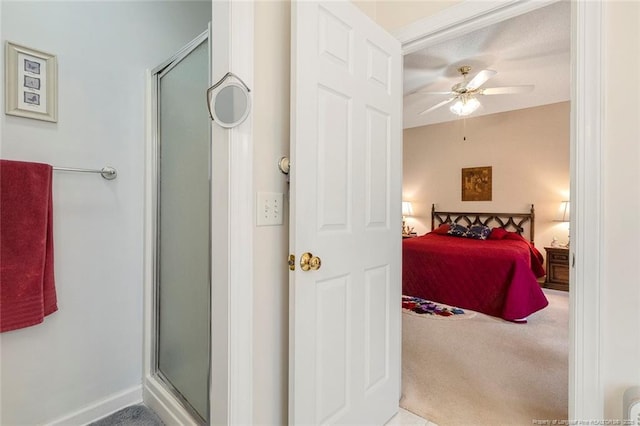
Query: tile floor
[(140, 415)]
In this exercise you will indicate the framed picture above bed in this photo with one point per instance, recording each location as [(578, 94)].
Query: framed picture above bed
[(476, 184)]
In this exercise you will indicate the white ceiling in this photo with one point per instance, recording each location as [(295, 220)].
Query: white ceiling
[(533, 48)]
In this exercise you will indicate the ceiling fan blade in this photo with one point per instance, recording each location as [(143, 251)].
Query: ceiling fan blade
[(438, 105), (507, 90), (480, 79), (424, 92)]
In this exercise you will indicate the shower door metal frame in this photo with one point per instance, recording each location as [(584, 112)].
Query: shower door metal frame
[(156, 74)]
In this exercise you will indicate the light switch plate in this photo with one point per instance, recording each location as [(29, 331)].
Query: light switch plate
[(269, 208)]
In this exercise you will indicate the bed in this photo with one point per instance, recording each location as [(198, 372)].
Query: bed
[(496, 276)]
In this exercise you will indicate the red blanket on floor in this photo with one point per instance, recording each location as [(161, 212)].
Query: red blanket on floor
[(495, 277)]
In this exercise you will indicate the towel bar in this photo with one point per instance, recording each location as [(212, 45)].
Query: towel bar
[(107, 172)]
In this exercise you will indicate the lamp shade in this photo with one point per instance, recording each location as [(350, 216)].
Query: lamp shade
[(564, 212), (407, 210)]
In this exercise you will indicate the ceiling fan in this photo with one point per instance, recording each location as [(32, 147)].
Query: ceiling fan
[(465, 92)]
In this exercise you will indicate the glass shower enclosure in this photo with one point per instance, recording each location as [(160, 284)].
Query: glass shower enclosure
[(182, 282)]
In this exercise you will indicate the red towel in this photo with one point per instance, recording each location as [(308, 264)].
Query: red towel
[(27, 286)]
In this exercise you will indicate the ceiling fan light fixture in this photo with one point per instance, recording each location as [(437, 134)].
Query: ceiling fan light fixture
[(465, 106)]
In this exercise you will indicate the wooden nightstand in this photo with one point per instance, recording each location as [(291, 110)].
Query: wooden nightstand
[(557, 268)]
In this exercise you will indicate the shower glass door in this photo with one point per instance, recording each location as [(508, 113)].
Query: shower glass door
[(183, 278)]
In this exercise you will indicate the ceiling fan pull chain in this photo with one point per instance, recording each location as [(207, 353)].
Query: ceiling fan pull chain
[(464, 129)]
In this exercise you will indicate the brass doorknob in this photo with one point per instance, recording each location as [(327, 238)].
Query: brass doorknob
[(309, 261)]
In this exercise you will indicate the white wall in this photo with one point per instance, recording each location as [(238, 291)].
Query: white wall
[(528, 151), (620, 293), (92, 347)]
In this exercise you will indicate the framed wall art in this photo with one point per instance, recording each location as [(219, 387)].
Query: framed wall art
[(476, 184), (31, 83)]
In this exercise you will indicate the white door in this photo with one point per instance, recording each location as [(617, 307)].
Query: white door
[(346, 175)]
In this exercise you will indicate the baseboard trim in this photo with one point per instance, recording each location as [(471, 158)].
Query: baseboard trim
[(101, 408), (170, 410)]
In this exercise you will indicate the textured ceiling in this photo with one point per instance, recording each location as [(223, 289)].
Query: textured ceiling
[(533, 48)]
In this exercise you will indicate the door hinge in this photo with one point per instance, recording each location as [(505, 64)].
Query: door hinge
[(292, 262)]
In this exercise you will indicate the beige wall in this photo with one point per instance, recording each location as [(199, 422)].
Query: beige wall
[(620, 293), (271, 243), (394, 14), (527, 149)]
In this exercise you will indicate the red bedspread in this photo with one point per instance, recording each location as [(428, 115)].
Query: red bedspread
[(495, 277)]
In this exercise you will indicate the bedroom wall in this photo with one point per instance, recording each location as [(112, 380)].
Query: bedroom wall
[(528, 150), (90, 351)]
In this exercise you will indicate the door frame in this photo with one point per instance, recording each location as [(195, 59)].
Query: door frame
[(586, 393), (231, 399), (588, 50)]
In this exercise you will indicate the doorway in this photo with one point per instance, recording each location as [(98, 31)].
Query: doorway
[(182, 255), (432, 175), (587, 76)]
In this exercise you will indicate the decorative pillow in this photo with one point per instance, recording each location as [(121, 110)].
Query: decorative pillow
[(498, 233), (478, 232), (442, 229), (457, 230)]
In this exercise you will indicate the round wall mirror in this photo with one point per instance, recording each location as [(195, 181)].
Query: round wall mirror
[(229, 104)]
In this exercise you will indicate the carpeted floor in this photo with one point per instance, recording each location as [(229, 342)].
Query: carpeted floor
[(486, 371), (135, 415)]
